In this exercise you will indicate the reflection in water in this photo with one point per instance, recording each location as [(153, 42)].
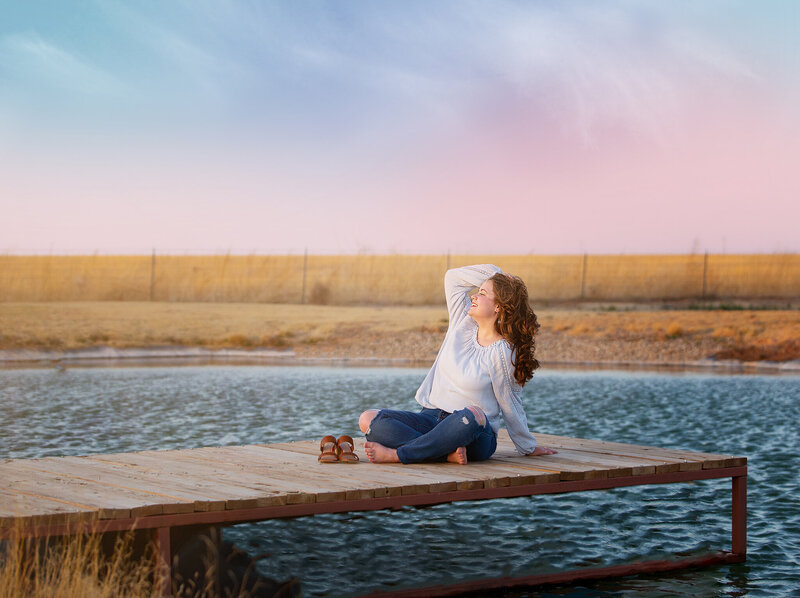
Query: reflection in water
[(80, 411)]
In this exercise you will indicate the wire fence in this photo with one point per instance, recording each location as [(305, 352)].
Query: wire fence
[(390, 279)]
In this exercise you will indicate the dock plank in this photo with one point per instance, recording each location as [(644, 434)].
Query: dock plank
[(707, 460), (309, 476), (476, 475), (78, 471), (352, 477), (241, 492), (189, 497), (108, 505), (421, 478), (614, 465), (122, 486), (20, 507), (414, 479), (276, 479)]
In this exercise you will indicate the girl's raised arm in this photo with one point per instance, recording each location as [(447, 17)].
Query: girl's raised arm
[(458, 282)]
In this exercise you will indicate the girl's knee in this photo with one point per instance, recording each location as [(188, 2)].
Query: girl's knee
[(365, 419), (480, 416)]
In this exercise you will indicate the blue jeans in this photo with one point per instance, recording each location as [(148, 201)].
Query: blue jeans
[(432, 434)]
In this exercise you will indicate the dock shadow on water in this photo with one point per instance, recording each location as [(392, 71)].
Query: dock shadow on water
[(205, 565), (84, 411)]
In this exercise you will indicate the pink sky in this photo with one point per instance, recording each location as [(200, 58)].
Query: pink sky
[(615, 128)]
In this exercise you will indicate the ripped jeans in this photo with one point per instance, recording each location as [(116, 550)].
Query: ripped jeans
[(432, 434)]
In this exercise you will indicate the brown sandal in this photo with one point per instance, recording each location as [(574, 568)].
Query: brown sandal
[(327, 449), (345, 450)]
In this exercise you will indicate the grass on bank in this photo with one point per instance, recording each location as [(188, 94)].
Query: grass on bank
[(64, 326), (72, 567), (738, 334), (745, 335)]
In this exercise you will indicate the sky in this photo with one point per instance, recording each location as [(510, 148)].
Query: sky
[(406, 126)]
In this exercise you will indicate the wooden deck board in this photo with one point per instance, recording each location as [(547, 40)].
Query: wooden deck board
[(18, 506), (379, 482), (657, 453), (157, 482), (170, 499), (239, 490), (121, 504), (64, 490), (422, 478)]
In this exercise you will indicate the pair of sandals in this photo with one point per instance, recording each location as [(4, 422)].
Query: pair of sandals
[(337, 450)]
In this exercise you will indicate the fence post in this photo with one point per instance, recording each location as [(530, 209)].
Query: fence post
[(583, 278), (153, 274), (705, 274), (305, 268)]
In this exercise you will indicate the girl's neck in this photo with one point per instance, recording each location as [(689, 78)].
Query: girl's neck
[(487, 333)]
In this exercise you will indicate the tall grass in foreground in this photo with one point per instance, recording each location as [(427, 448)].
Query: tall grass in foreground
[(391, 279), (72, 567)]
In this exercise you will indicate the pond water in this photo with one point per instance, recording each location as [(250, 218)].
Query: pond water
[(92, 410)]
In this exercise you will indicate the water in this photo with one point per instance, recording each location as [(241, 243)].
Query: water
[(82, 411)]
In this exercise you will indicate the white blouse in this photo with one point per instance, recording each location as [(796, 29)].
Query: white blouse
[(466, 373)]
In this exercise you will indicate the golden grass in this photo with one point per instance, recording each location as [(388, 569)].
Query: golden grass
[(63, 325), (73, 567), (141, 324), (735, 326), (389, 279)]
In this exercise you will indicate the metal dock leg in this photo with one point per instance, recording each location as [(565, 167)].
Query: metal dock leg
[(739, 516), (162, 573)]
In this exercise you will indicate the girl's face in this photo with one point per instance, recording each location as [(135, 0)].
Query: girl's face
[(483, 303)]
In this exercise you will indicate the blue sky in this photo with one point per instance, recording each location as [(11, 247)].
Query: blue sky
[(399, 126)]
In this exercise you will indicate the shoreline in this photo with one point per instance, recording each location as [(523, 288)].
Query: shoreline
[(119, 333), (160, 356)]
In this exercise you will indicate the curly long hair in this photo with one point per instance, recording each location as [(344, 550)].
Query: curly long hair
[(517, 323)]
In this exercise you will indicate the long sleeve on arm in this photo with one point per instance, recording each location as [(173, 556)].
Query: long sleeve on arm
[(458, 282), (507, 391)]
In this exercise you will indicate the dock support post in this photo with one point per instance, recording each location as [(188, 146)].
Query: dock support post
[(739, 515), (163, 570)]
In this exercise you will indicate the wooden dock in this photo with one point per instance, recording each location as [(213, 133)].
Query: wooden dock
[(163, 490)]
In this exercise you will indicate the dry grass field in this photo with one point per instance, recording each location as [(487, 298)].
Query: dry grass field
[(73, 568), (74, 325), (390, 279), (412, 332), (746, 335)]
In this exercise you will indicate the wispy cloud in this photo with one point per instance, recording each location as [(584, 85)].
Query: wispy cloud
[(584, 68), (593, 67), (30, 58), (379, 69)]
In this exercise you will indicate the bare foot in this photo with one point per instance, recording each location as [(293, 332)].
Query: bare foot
[(542, 450), (377, 453), (458, 456)]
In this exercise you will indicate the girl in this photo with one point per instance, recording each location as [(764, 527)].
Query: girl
[(485, 360)]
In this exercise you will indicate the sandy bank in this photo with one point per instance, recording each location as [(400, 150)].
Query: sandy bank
[(590, 336), (397, 352)]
